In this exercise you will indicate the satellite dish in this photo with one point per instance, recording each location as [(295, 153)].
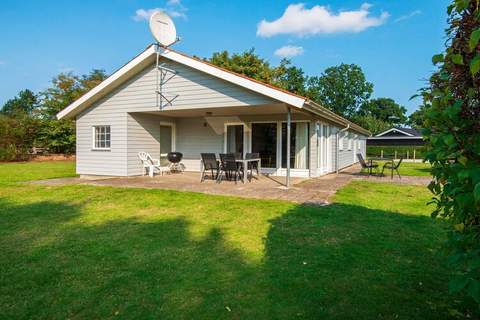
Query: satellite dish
[(163, 29)]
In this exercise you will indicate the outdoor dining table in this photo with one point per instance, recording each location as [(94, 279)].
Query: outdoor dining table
[(388, 159), (245, 162)]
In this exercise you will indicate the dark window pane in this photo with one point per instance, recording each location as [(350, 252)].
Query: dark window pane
[(264, 141), (235, 139)]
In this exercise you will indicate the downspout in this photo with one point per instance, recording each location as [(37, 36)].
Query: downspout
[(337, 153)]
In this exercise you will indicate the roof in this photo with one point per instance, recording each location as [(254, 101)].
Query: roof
[(148, 56), (400, 133)]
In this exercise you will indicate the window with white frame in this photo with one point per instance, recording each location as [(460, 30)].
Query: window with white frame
[(101, 137)]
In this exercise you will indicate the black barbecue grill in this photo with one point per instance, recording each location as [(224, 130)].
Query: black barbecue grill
[(175, 158)]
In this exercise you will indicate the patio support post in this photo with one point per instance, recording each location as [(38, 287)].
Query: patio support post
[(289, 125)]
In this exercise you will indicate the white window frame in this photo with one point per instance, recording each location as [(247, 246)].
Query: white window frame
[(94, 136), (245, 138)]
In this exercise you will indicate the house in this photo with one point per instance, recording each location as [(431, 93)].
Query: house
[(211, 110), (397, 137)]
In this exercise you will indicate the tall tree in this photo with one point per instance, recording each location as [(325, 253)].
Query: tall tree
[(25, 103), (417, 118), (384, 109), (342, 89), (248, 63), (452, 131), (59, 135)]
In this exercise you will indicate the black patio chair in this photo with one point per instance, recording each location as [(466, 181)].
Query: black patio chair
[(210, 163), (391, 165), (368, 166), (253, 165), (229, 166)]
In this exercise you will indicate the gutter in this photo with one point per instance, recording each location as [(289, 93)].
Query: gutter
[(337, 144)]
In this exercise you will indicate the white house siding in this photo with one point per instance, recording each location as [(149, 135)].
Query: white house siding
[(96, 162), (347, 156), (196, 89), (143, 132)]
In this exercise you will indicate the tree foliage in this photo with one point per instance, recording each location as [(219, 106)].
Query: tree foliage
[(25, 103), (342, 89), (416, 120), (452, 130), (29, 120), (385, 110)]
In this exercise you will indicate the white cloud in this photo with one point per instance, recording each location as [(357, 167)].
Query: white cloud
[(301, 21), (173, 8), (408, 16), (288, 51), (142, 14)]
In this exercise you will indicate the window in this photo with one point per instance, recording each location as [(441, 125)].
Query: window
[(234, 138), (299, 145), (101, 137), (264, 141)]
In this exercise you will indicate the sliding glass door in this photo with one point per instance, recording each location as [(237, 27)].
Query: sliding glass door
[(264, 142), (234, 139), (299, 144)]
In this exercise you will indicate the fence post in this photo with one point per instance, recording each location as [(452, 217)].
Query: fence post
[(413, 154), (381, 153), (395, 155), (408, 153)]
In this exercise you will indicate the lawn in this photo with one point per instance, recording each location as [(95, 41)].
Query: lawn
[(26, 171), (85, 252)]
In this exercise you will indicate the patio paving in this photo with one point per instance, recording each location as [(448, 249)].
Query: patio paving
[(315, 191)]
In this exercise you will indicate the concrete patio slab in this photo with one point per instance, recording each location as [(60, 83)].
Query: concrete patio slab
[(317, 191)]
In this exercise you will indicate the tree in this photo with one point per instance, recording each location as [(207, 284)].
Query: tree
[(59, 135), (417, 118), (25, 103), (452, 131), (248, 63), (342, 89), (384, 109), (371, 123)]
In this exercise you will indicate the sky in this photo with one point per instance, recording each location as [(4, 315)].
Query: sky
[(392, 41)]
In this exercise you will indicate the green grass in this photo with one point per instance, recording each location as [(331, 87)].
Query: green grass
[(85, 252), (26, 171), (418, 169)]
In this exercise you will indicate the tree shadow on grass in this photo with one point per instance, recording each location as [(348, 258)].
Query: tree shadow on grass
[(338, 262)]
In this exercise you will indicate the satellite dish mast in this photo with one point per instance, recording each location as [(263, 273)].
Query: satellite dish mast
[(164, 31)]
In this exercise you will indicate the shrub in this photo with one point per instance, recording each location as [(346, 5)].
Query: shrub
[(453, 140)]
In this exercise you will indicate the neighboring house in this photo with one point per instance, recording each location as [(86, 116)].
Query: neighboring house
[(216, 111), (397, 137)]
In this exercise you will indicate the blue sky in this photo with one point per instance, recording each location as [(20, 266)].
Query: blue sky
[(392, 41)]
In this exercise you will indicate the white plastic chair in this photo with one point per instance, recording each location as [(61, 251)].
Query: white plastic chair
[(151, 165)]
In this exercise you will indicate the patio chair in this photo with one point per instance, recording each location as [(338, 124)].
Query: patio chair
[(229, 166), (253, 165), (210, 163), (368, 166), (393, 167), (151, 165)]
